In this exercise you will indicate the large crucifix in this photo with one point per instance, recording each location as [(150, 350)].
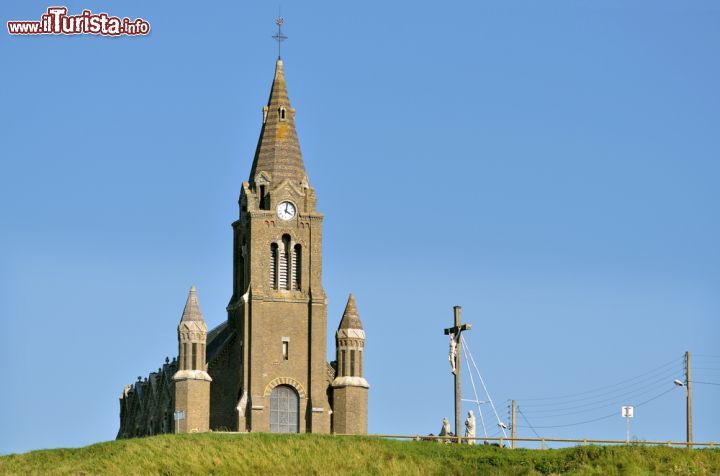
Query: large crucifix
[(454, 357)]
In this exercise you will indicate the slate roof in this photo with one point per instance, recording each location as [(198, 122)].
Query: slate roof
[(278, 149), (217, 339)]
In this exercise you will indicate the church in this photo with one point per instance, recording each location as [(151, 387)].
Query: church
[(264, 368)]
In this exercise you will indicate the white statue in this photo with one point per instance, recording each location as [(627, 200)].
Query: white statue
[(445, 431), (470, 427), (453, 352)]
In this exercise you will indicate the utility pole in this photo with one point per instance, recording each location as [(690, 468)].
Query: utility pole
[(688, 386), (513, 422), (454, 333)]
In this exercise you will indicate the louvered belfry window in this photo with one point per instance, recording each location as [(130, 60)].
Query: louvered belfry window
[(283, 263), (273, 265), (297, 266)]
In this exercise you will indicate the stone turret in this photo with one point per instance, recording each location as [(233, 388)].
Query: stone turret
[(350, 389), (192, 382)]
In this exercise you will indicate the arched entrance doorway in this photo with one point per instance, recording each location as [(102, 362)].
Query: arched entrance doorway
[(284, 409)]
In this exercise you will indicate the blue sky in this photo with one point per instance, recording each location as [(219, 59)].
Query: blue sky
[(550, 166)]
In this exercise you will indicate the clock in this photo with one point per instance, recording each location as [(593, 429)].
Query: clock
[(286, 210)]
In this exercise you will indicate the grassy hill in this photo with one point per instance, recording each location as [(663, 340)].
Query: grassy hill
[(322, 454)]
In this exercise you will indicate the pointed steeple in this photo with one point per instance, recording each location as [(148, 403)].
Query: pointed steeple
[(192, 310), (278, 149), (351, 318)]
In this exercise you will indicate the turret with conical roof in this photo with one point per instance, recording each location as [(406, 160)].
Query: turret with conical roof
[(349, 386), (192, 382), (192, 334)]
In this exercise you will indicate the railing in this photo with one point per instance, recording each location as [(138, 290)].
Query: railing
[(585, 441)]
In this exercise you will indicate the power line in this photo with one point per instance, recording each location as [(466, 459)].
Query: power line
[(704, 383), (609, 415), (612, 402), (664, 376), (644, 374), (528, 422)]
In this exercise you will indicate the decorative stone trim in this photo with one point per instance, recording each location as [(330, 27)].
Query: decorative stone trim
[(191, 375), (284, 381), (350, 382), (350, 333)]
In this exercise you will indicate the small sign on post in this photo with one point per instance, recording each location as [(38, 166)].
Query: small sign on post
[(627, 412), (178, 415)]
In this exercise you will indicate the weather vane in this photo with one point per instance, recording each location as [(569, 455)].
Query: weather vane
[(279, 37)]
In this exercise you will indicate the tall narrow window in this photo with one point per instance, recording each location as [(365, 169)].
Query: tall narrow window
[(194, 356), (297, 266), (285, 349), (283, 263), (262, 197), (282, 113), (273, 265), (341, 369), (352, 363), (360, 362), (282, 270)]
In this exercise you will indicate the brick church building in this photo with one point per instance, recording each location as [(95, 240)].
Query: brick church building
[(265, 367)]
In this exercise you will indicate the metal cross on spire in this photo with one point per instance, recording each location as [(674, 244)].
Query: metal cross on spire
[(279, 37)]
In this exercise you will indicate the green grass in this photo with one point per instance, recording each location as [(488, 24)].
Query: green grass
[(323, 454)]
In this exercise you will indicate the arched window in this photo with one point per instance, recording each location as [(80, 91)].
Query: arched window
[(297, 266), (284, 410), (282, 113), (273, 265)]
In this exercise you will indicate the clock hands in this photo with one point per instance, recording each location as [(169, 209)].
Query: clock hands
[(286, 210)]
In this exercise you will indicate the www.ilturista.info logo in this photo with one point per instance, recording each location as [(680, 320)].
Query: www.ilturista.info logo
[(57, 22)]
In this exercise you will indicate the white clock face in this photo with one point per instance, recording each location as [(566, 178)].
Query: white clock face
[(286, 210)]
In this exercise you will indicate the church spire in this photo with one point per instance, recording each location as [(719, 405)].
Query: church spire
[(351, 318), (192, 310), (278, 150)]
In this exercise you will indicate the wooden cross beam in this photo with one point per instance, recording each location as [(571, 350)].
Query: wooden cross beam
[(455, 331)]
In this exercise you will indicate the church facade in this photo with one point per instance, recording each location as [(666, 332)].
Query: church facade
[(264, 368)]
